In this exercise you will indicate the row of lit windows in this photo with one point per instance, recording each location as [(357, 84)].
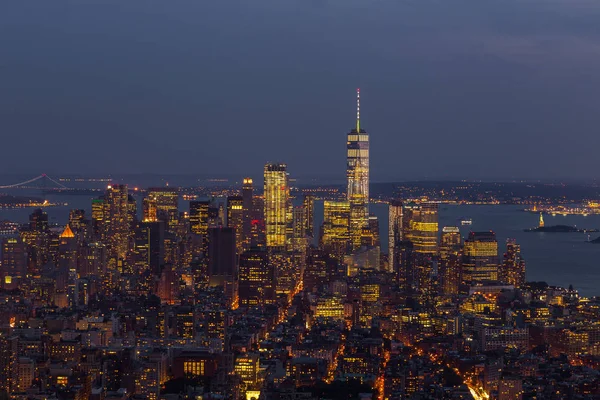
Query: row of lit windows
[(358, 138)]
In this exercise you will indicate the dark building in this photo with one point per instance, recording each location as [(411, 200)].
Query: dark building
[(149, 246), (320, 269), (199, 217), (247, 208), (221, 255), (235, 220), (14, 263), (309, 207), (403, 264), (256, 282)]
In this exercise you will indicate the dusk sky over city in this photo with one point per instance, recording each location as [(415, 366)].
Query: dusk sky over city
[(299, 200), (474, 89)]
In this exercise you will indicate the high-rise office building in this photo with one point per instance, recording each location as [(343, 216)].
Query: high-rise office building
[(403, 266), (199, 217), (513, 267), (77, 220), (235, 220), (309, 206), (92, 259), (394, 229), (132, 211), (117, 219), (99, 216), (420, 228), (372, 232), (37, 237), (67, 266), (357, 173), (420, 223), (14, 263), (248, 210), (480, 261), (38, 220), (149, 247), (335, 232), (256, 279), (149, 210), (9, 352), (276, 204), (320, 270), (299, 237), (167, 204), (450, 258), (222, 264)]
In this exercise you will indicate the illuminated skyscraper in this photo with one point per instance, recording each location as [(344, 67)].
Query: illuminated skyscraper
[(513, 267), (77, 220), (421, 227), (309, 215), (335, 232), (357, 173), (9, 353), (167, 201), (118, 219), (449, 267), (299, 238), (235, 220), (394, 230), (67, 265), (199, 217), (276, 194), (247, 207), (149, 210), (99, 215), (480, 261)]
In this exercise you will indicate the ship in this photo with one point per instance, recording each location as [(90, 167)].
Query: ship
[(466, 221)]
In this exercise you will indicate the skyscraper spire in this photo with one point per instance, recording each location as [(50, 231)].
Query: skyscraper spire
[(358, 110), (357, 173)]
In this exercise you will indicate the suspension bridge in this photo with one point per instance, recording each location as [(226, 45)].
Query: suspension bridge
[(42, 182)]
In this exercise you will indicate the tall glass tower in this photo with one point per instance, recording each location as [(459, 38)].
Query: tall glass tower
[(276, 193), (357, 172)]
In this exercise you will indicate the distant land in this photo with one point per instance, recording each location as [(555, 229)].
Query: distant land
[(559, 229), (7, 199)]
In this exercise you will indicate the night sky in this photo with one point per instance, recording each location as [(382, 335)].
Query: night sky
[(484, 89)]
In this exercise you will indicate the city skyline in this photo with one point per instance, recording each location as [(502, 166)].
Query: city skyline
[(396, 257)]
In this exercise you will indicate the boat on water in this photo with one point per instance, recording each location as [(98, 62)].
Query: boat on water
[(466, 221)]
